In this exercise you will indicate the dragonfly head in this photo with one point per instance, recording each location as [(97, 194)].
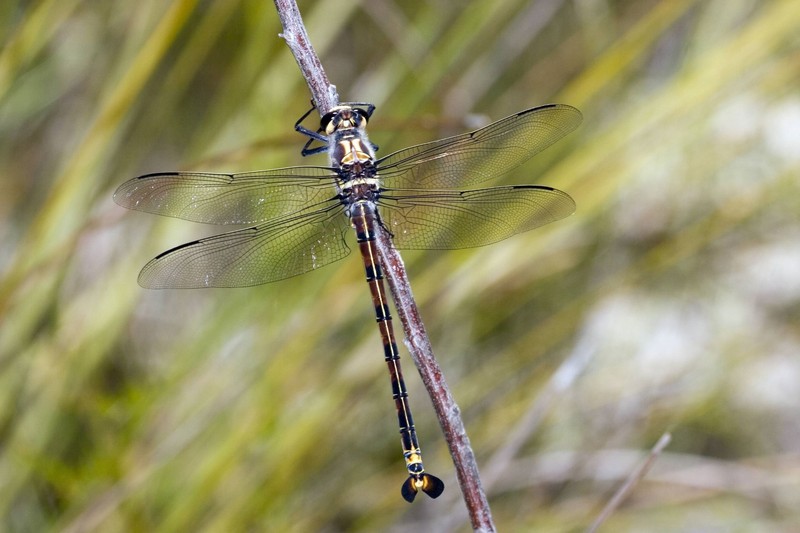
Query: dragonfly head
[(344, 117)]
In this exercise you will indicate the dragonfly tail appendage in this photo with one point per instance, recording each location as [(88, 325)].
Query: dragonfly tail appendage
[(427, 483)]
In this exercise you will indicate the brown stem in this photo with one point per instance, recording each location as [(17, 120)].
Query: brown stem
[(325, 98), (323, 92), (633, 479)]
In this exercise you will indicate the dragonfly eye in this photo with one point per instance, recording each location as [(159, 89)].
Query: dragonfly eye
[(360, 120), (332, 124), (326, 120)]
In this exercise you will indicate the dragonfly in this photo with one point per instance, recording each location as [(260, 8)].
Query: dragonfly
[(298, 217)]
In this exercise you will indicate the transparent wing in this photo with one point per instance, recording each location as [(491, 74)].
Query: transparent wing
[(276, 250), (480, 155), (464, 219), (247, 198)]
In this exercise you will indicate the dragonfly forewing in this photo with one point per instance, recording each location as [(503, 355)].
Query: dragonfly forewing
[(464, 219), (280, 249), (246, 198), (481, 155)]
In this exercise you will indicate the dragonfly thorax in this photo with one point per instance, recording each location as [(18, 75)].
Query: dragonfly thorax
[(358, 188), (348, 144), (354, 158), (352, 151)]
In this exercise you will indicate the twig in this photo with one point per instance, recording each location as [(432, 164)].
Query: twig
[(325, 97), (633, 479), (323, 92), (500, 464), (560, 381)]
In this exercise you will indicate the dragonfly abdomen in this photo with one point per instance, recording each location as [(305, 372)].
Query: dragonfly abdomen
[(364, 219)]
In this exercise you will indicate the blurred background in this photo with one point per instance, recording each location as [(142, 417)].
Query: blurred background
[(668, 302)]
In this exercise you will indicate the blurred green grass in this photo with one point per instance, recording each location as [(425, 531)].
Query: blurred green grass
[(672, 295)]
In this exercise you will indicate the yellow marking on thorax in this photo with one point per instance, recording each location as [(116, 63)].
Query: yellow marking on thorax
[(353, 152)]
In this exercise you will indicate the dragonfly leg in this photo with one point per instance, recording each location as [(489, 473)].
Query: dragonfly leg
[(313, 135)]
